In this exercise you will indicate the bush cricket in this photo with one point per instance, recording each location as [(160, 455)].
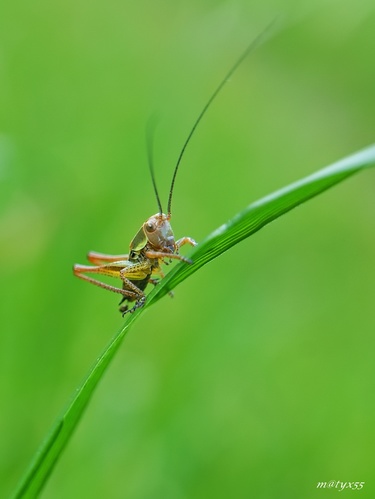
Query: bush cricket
[(154, 243)]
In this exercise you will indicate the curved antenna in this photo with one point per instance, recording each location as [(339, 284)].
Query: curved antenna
[(150, 133), (248, 50)]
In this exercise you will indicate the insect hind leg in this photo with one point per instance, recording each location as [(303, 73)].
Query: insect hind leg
[(138, 304), (129, 290), (100, 258), (138, 286), (78, 272)]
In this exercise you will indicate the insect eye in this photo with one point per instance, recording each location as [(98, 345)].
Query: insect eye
[(150, 226)]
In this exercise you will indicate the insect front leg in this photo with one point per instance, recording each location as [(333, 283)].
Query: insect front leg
[(160, 255), (185, 240)]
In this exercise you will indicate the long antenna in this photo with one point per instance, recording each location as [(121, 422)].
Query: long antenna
[(248, 50), (150, 133)]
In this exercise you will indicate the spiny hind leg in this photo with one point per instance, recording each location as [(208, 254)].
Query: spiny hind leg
[(124, 270), (116, 269), (78, 271), (138, 271), (124, 309), (99, 258)]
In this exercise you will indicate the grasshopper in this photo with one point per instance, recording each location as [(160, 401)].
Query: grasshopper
[(154, 243)]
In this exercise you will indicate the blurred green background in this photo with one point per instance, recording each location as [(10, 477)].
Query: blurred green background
[(257, 379)]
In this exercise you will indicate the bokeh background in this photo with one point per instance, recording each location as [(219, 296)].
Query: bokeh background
[(257, 379)]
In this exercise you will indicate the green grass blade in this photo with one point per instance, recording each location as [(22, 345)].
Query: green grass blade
[(262, 212), (245, 223)]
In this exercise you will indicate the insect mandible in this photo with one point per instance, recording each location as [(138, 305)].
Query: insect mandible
[(154, 243)]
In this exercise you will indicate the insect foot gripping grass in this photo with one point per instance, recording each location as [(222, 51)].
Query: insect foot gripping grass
[(154, 243)]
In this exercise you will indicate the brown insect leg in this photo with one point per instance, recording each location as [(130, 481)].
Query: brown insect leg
[(115, 269), (78, 269), (138, 304), (136, 271), (132, 286), (99, 258), (161, 254), (139, 271)]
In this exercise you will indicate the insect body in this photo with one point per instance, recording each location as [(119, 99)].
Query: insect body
[(154, 243)]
